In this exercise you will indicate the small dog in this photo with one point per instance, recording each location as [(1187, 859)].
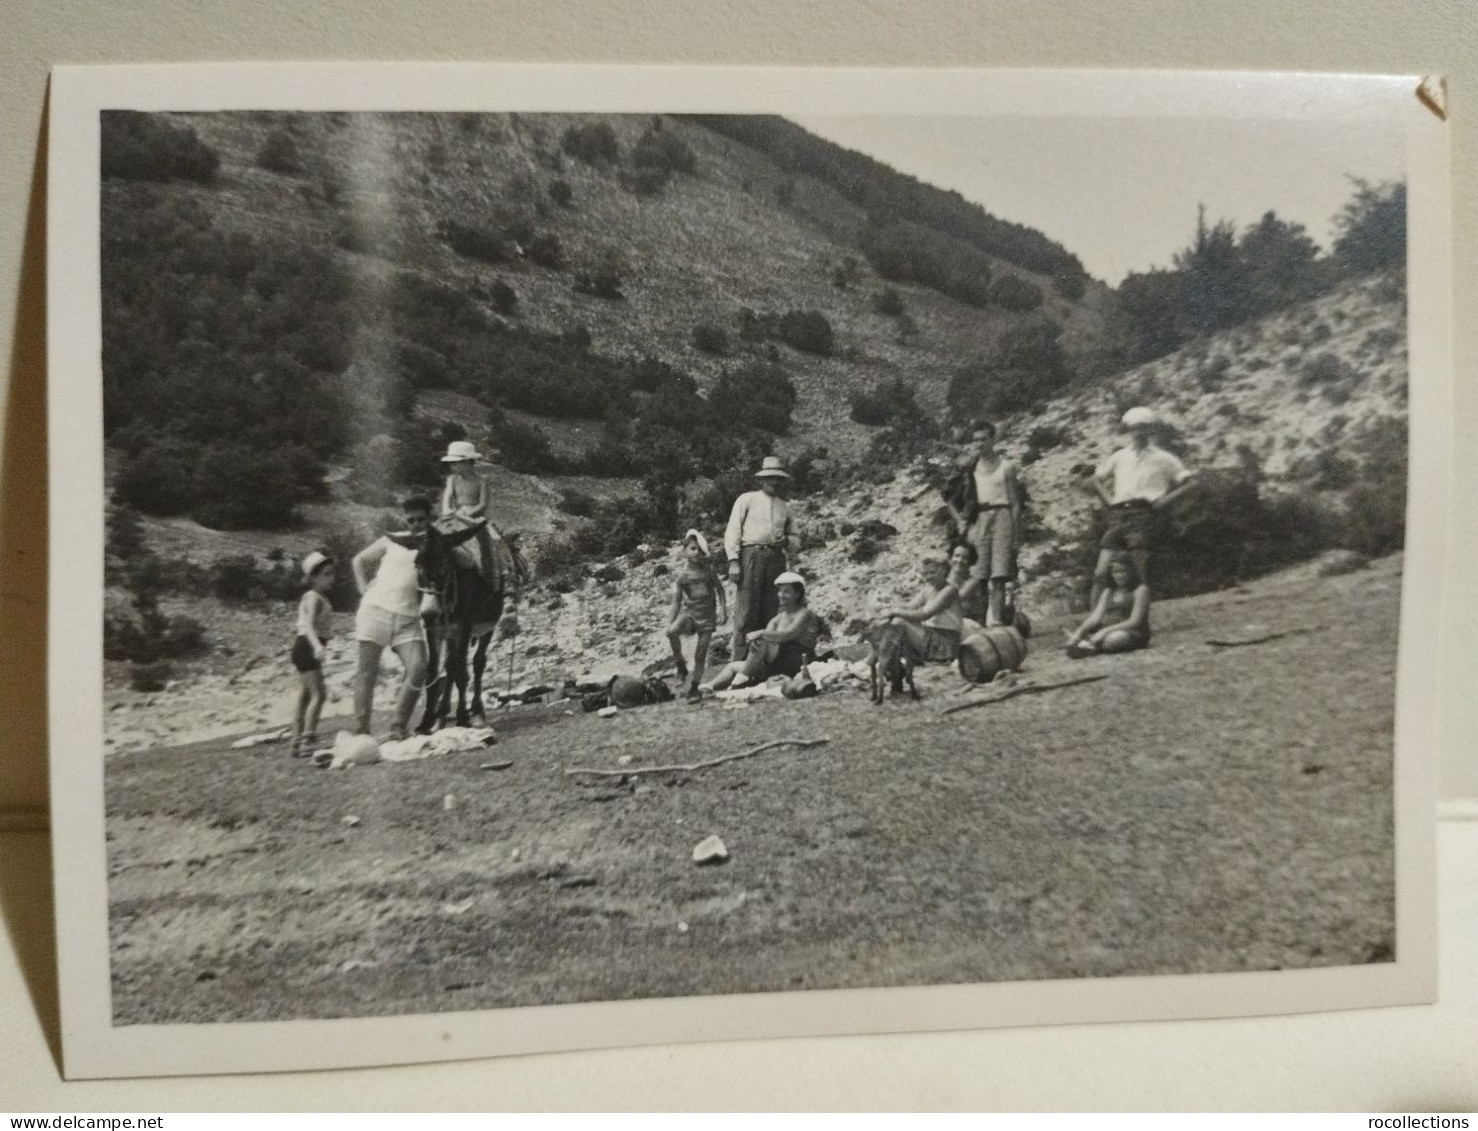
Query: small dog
[(894, 657)]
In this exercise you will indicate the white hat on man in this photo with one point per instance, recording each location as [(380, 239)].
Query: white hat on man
[(772, 467), (1140, 417)]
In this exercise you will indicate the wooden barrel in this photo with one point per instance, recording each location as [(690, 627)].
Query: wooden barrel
[(990, 651)]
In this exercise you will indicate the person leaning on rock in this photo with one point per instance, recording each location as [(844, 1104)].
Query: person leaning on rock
[(759, 542)]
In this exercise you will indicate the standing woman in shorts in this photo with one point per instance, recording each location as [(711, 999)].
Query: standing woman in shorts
[(308, 649)]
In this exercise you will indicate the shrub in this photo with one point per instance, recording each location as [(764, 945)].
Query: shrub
[(423, 367), (1322, 369), (847, 274), (1383, 339), (241, 488), (662, 149), (561, 193), (160, 480), (525, 447), (474, 242), (501, 297), (1045, 437), (757, 396), (241, 578), (149, 636), (604, 282), (124, 537), (1211, 374), (806, 330), (711, 339), (593, 143), (888, 301), (148, 147), (646, 182), (279, 153), (1027, 365), (886, 403), (1012, 292), (906, 252), (546, 250), (576, 502)]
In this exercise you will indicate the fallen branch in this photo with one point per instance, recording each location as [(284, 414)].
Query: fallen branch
[(1242, 642), (1022, 689), (632, 771)]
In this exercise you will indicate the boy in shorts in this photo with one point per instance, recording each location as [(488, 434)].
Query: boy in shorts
[(390, 617)]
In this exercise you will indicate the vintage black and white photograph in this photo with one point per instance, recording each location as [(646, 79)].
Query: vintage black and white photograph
[(609, 555)]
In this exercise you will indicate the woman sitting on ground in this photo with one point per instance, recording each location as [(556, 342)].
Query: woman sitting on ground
[(933, 620), (962, 561), (783, 646), (1120, 622)]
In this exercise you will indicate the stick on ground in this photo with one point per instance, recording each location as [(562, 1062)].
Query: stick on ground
[(1242, 642), (1022, 689), (632, 771)]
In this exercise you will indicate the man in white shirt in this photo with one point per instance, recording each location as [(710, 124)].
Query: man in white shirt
[(390, 617), (1136, 484), (758, 542)]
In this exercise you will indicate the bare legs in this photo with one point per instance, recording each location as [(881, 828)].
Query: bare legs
[(700, 656), (309, 704)]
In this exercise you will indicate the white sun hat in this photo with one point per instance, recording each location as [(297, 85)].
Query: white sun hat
[(459, 451), (315, 561), (790, 578), (1140, 417), (772, 467), (695, 536)]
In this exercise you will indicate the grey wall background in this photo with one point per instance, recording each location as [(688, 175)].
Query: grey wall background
[(1383, 36)]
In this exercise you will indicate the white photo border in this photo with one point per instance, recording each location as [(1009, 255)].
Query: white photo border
[(94, 1047)]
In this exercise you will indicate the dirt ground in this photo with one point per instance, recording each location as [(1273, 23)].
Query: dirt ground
[(1199, 810)]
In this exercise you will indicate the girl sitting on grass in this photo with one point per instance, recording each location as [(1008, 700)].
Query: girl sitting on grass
[(308, 650), (698, 607), (933, 620), (1120, 621)]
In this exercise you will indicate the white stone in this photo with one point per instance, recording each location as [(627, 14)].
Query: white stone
[(710, 850)]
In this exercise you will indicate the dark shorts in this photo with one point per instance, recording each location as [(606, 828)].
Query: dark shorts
[(768, 659), (1131, 528), (695, 621), (302, 655)]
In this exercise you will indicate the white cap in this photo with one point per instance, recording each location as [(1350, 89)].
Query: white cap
[(1140, 417), (790, 578), (314, 562)]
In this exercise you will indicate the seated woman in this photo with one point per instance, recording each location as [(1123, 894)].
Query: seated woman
[(783, 646), (1120, 622), (933, 620), (962, 561)]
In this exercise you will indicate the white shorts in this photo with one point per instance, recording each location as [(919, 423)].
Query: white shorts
[(374, 625)]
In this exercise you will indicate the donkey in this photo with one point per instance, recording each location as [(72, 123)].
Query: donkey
[(461, 605)]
